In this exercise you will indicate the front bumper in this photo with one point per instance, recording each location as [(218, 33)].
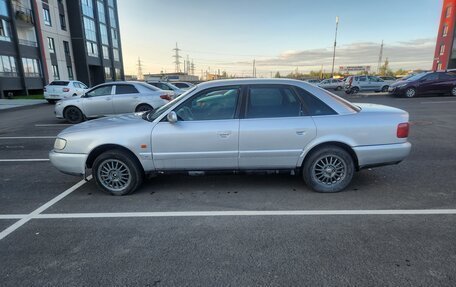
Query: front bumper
[(377, 155), (396, 91), (69, 163)]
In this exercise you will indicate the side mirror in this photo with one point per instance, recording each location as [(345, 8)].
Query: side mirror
[(172, 117)]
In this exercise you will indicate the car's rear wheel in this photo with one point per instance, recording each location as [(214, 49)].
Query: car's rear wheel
[(354, 90), (338, 88), (143, 108), (328, 169), (453, 91), (385, 89), (51, 101), (117, 172), (73, 115)]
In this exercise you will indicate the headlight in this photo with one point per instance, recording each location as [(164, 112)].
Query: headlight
[(59, 144)]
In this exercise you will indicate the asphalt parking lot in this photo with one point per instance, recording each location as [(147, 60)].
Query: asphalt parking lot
[(394, 225)]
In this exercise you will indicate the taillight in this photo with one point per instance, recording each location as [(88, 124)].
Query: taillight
[(65, 90), (166, 97), (403, 130), (350, 81)]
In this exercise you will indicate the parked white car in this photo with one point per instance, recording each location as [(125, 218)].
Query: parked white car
[(58, 90), (183, 85), (331, 84), (312, 81), (110, 99), (232, 125), (355, 84), (166, 86)]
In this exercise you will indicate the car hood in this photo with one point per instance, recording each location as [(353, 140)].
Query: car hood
[(114, 122), (399, 83)]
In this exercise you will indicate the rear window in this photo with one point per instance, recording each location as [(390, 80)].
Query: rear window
[(315, 106), (59, 83)]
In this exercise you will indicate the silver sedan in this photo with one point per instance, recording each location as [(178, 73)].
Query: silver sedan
[(250, 124), (110, 99)]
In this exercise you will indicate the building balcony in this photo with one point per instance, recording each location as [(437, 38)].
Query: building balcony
[(28, 43), (24, 16)]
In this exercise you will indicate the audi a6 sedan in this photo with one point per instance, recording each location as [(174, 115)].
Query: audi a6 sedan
[(238, 125), (110, 99)]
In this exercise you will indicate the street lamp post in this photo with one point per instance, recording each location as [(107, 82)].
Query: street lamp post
[(334, 51)]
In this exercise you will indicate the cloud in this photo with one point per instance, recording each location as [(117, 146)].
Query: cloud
[(417, 53)]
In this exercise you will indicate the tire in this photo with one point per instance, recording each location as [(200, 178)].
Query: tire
[(143, 108), (385, 89), (74, 95), (453, 91), (117, 172), (410, 92), (73, 115), (328, 169), (354, 90), (51, 101)]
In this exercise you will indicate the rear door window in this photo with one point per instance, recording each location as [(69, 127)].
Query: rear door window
[(272, 102), (313, 105), (125, 89)]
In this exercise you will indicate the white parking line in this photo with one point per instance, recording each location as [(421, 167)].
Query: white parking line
[(12, 216), (24, 160), (439, 102), (40, 209), (52, 125), (30, 137)]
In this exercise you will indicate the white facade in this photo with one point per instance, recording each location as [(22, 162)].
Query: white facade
[(55, 32)]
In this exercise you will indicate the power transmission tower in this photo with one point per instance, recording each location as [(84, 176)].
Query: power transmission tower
[(254, 69), (177, 58), (192, 67), (187, 70), (140, 75), (380, 58), (335, 43)]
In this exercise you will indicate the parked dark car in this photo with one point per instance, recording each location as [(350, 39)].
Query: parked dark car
[(425, 83)]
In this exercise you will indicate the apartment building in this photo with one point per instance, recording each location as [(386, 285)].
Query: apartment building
[(40, 41)]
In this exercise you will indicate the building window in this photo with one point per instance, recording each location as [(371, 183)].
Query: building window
[(448, 11), (89, 29), (5, 31), (445, 30), (70, 73), (117, 74), (115, 41), (87, 7), (108, 74), (115, 54), (3, 8), (105, 53), (51, 45), (62, 22), (55, 72), (8, 66), (111, 3), (66, 47), (31, 67), (101, 12), (104, 34), (112, 18), (47, 17), (92, 49), (442, 49)]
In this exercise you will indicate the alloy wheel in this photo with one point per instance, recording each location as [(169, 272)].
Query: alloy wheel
[(453, 91), (329, 170), (114, 175), (410, 93)]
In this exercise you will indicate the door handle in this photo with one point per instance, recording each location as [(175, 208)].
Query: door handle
[(224, 134), (108, 99), (300, 133)]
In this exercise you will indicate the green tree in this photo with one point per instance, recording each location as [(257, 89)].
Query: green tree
[(385, 70), (277, 75)]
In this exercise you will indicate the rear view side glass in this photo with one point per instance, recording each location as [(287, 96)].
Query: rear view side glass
[(125, 89), (59, 83), (315, 106)]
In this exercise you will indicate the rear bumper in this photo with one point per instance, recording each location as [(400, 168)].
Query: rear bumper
[(69, 163), (377, 155)]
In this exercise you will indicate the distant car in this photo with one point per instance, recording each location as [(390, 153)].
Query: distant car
[(331, 84), (183, 85), (425, 83), (112, 98), (58, 90), (355, 84), (166, 86), (388, 79), (232, 125), (312, 81)]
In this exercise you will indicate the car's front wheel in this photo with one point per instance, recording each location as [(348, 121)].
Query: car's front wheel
[(328, 169), (453, 91), (73, 115), (410, 92), (354, 90), (117, 172), (385, 89), (143, 108)]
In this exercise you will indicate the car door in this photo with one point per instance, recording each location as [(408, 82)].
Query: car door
[(363, 83), (446, 82), (428, 83), (275, 128), (126, 98), (98, 101), (206, 135)]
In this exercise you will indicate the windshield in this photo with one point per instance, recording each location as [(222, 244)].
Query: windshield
[(152, 115), (416, 77)]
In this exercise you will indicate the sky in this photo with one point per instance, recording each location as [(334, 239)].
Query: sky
[(280, 35)]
